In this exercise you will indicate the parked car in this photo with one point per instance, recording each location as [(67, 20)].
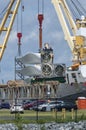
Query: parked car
[(4, 105), (48, 106), (67, 105), (31, 105), (26, 102), (16, 108)]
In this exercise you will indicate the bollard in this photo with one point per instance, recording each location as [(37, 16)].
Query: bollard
[(56, 114), (75, 115), (53, 113), (63, 113), (72, 113)]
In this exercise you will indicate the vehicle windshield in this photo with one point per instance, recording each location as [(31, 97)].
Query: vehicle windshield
[(17, 105)]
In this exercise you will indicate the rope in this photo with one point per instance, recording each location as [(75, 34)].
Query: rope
[(82, 7), (21, 16), (19, 26), (77, 8), (38, 6), (71, 8), (43, 6), (19, 20), (42, 9), (4, 10)]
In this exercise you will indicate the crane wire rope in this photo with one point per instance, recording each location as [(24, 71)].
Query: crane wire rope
[(77, 8), (42, 2), (73, 12), (20, 20), (43, 6), (19, 28), (21, 15), (68, 13), (80, 5), (3, 11)]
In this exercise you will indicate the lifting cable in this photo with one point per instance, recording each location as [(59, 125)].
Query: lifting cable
[(69, 8), (42, 7), (19, 28), (19, 19), (4, 10), (82, 7), (40, 19), (72, 9), (77, 8)]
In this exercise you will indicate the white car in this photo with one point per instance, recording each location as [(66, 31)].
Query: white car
[(17, 108), (48, 106)]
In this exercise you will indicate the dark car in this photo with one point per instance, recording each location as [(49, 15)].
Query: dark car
[(67, 105), (31, 105), (26, 102), (4, 105)]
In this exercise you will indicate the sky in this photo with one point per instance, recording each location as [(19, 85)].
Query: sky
[(52, 34)]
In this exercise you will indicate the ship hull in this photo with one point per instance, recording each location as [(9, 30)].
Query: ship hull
[(65, 90)]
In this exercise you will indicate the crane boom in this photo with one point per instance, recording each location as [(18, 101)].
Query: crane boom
[(6, 18), (69, 17), (72, 29), (61, 6)]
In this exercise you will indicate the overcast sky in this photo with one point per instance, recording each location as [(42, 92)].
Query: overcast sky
[(52, 34)]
